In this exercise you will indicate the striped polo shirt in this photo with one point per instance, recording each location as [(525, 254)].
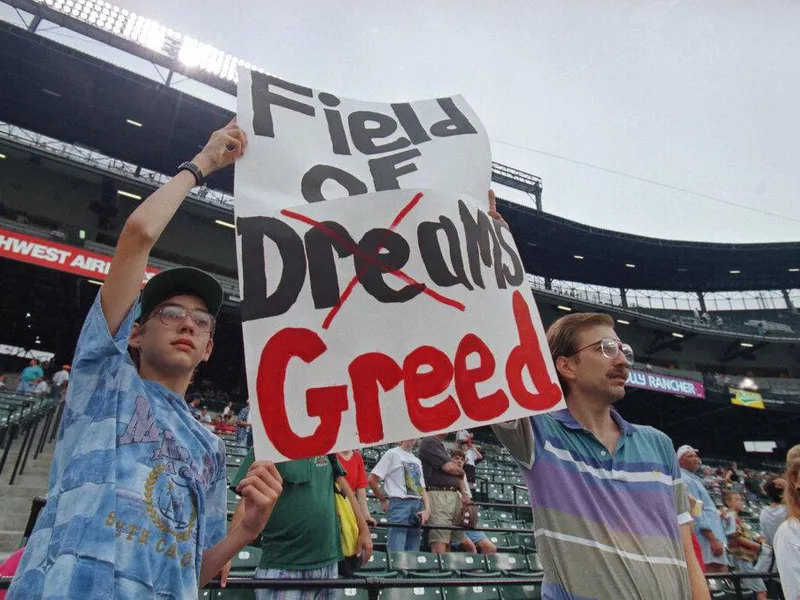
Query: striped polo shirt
[(607, 526)]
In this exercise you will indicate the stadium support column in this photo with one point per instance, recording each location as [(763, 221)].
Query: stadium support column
[(34, 24), (788, 299), (623, 297), (702, 301)]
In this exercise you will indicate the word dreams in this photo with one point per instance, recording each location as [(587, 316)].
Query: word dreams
[(372, 134), (425, 373), (379, 252)]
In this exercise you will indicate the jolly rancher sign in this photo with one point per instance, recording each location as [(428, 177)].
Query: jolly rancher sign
[(379, 301)]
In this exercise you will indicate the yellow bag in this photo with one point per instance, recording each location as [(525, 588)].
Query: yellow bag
[(348, 526)]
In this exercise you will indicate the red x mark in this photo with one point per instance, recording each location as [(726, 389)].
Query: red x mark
[(372, 259)]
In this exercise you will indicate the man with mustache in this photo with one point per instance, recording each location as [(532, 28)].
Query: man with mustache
[(611, 515)]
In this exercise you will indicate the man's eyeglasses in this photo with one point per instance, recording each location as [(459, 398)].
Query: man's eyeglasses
[(172, 315), (610, 349)]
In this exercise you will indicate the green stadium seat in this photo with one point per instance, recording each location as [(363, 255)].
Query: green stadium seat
[(415, 593), (487, 523), (512, 525), (377, 566), (502, 541), (535, 563), (245, 562), (350, 594), (521, 592), (226, 595), (472, 592), (378, 535), (525, 541), (465, 563), (417, 564), (507, 563)]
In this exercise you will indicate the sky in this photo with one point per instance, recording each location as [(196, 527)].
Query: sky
[(673, 119)]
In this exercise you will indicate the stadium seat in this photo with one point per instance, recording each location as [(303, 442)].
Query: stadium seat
[(465, 563), (503, 542), (535, 563), (378, 535), (525, 541), (415, 593), (521, 592), (245, 562), (417, 564), (226, 595), (377, 566), (507, 563), (472, 592), (350, 594)]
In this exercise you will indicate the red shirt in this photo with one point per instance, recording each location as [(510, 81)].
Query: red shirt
[(356, 473)]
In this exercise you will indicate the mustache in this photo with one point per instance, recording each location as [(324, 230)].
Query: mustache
[(619, 373)]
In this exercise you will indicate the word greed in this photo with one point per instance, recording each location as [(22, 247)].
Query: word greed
[(371, 133)]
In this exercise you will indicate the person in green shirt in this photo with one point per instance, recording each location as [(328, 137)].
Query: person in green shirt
[(301, 539)]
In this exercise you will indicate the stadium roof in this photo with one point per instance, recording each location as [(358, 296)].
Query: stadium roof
[(60, 92)]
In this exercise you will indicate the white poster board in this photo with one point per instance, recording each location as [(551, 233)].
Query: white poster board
[(383, 316)]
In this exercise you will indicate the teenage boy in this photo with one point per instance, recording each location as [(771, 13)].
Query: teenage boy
[(137, 499)]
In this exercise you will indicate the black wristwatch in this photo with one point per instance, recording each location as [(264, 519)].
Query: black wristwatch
[(199, 178)]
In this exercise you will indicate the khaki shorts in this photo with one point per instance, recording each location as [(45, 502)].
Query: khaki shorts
[(444, 510)]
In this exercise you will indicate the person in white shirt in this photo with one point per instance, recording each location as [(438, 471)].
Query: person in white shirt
[(773, 515), (204, 417), (60, 379), (787, 538), (228, 410), (41, 388), (462, 437), (405, 499)]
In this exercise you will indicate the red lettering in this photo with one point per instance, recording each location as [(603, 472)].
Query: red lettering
[(326, 403), (367, 372), (426, 385), (528, 355), (475, 407)]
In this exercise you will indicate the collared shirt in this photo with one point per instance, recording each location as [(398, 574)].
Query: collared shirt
[(770, 519), (137, 487), (607, 525), (708, 519), (434, 457)]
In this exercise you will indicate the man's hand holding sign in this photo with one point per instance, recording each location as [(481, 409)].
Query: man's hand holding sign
[(385, 315)]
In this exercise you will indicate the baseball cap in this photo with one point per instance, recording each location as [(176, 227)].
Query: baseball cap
[(684, 449), (181, 280)]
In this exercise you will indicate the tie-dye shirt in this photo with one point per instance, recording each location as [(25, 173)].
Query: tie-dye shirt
[(137, 488)]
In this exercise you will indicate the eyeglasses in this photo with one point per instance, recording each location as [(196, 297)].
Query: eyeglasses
[(610, 349), (173, 315)]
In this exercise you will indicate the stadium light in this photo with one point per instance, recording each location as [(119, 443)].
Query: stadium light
[(94, 282), (630, 265), (746, 345), (623, 321), (129, 195), (152, 35), (225, 224), (578, 256), (734, 272), (677, 335), (2, 156), (564, 308), (82, 234), (132, 122), (790, 270)]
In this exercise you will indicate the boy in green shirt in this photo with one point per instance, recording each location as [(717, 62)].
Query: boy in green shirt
[(302, 540)]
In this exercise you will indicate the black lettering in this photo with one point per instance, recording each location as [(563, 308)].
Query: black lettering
[(311, 185), (264, 99), (255, 302), (516, 277), (339, 143), (364, 137), (481, 243), (321, 264), (410, 123), (433, 257), (385, 170), (393, 255), (457, 124)]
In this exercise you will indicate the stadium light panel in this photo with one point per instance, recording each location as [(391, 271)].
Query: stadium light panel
[(129, 194), (94, 282), (677, 335), (225, 224), (734, 272), (794, 270), (746, 345), (630, 265), (564, 308), (132, 122), (2, 156), (578, 256), (623, 321), (82, 234)]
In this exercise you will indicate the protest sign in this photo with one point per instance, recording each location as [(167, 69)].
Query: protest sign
[(383, 316), (307, 146)]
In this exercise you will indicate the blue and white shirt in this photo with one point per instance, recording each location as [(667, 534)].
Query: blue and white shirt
[(137, 488)]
